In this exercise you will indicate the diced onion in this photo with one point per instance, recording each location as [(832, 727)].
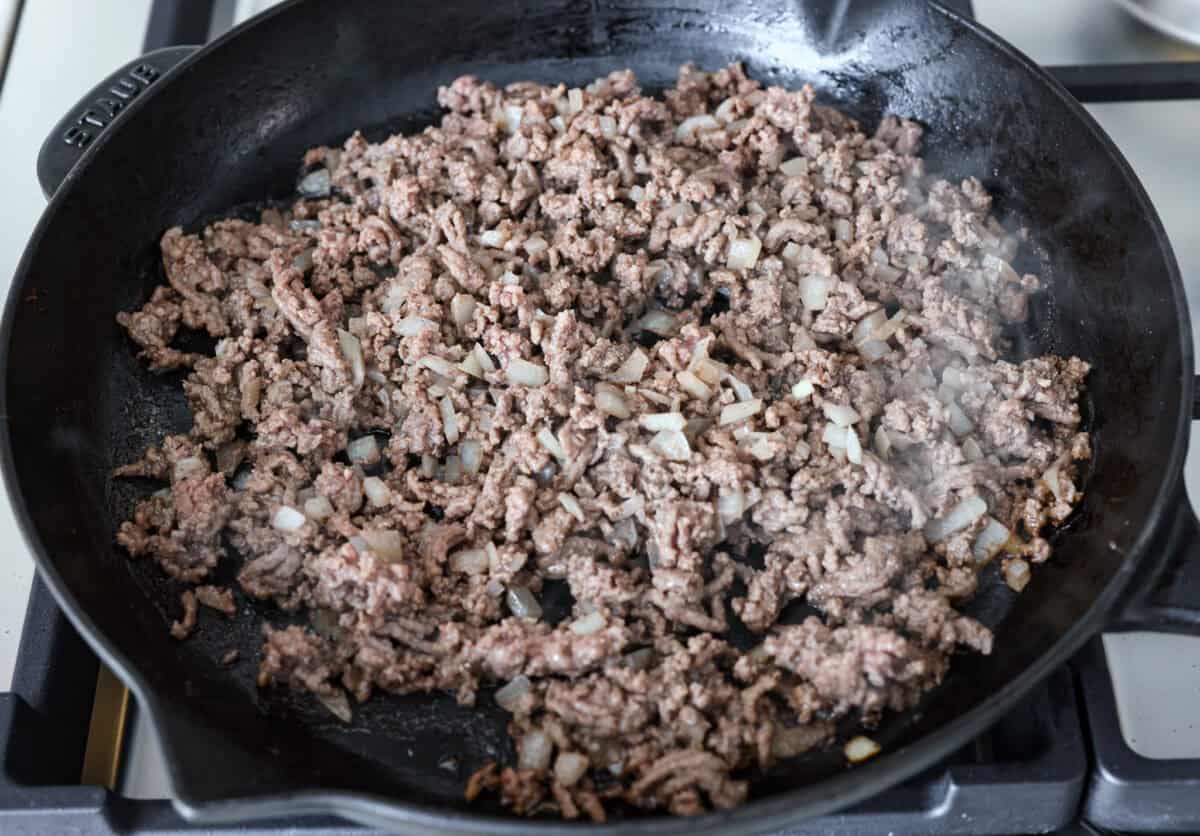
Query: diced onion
[(394, 298), (494, 238), (689, 127), (574, 100), (590, 623), (352, 351), (632, 369), (740, 389), (452, 471), (470, 365), (377, 491), (634, 505), (860, 749), (672, 445), (608, 127), (318, 508), (571, 505), (814, 291), (840, 414), (411, 326), (960, 424), (971, 450), (743, 253), (657, 397), (710, 371), (522, 604), (678, 210), (569, 768), (338, 705), (693, 385), (389, 545), (656, 421), (364, 450), (885, 331), (553, 446), (483, 358), (803, 390), (868, 325), (469, 561), (610, 401), (437, 365), (449, 420), (471, 453), (956, 519), (535, 751), (510, 118), (883, 443), (509, 697), (304, 260), (739, 411), (317, 183), (731, 506), (834, 436), (794, 167), (462, 308), (1016, 573), (524, 373), (659, 322), (991, 540), (188, 467), (887, 272), (854, 451), (624, 533), (874, 349), (1051, 478), (287, 518), (535, 244), (759, 446)]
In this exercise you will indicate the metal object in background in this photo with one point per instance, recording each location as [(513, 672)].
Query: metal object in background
[(1178, 18)]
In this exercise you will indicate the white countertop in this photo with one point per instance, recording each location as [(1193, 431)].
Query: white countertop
[(76, 43)]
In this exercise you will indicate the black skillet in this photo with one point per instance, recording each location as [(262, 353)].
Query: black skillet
[(188, 134)]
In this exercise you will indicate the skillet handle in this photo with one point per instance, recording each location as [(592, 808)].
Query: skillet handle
[(1170, 601), (104, 104)]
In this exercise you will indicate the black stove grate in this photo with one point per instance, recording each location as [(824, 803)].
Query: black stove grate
[(1029, 774)]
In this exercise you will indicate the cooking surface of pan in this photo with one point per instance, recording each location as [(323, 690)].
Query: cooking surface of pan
[(230, 125)]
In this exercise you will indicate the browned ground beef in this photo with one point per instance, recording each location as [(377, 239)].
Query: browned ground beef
[(698, 357)]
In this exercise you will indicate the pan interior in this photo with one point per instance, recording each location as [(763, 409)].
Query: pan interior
[(231, 128)]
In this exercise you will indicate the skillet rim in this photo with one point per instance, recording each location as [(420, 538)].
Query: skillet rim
[(757, 815)]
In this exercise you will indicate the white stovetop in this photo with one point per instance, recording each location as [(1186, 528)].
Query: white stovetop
[(62, 47)]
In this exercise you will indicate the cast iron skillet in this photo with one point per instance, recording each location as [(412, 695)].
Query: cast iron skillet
[(229, 123)]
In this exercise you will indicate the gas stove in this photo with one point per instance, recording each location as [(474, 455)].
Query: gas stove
[(1110, 743)]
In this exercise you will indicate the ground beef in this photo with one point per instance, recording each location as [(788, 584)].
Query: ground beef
[(697, 358)]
